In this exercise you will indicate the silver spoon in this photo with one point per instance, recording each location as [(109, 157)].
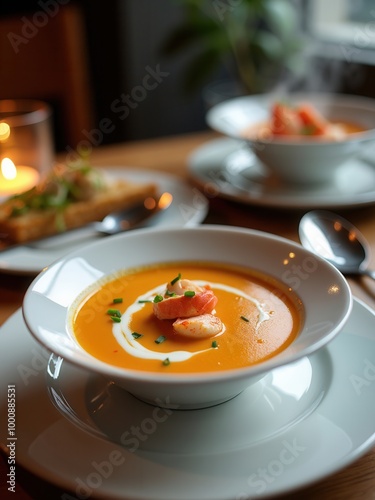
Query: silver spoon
[(336, 240), (133, 217)]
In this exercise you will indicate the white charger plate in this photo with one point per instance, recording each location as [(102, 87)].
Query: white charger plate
[(227, 168), (300, 424), (189, 208)]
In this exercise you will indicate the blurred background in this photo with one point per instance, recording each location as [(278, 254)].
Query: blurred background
[(126, 70)]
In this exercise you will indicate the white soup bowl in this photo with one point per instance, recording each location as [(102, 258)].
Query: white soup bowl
[(321, 291)]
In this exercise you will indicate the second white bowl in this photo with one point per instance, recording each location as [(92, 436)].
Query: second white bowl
[(299, 160)]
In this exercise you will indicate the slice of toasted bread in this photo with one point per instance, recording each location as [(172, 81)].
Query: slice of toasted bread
[(39, 223)]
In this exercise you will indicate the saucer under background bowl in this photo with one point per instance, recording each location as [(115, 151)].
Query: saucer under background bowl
[(322, 292), (227, 168), (309, 160)]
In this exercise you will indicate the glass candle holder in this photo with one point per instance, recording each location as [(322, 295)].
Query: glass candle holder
[(26, 144)]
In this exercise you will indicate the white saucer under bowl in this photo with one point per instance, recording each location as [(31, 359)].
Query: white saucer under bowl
[(263, 411), (311, 419), (227, 168)]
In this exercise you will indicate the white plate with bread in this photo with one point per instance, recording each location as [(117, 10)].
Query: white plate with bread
[(188, 208)]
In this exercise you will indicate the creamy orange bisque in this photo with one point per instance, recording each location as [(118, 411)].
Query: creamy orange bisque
[(186, 317)]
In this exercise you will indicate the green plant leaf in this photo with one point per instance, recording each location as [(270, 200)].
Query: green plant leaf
[(201, 68), (281, 17), (199, 31), (269, 45), (260, 37)]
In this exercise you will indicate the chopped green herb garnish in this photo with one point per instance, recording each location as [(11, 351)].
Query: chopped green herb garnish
[(63, 185), (189, 293), (214, 344), (144, 301), (158, 298), (117, 300), (170, 294), (178, 277), (60, 221), (115, 319), (136, 335), (114, 312), (245, 319), (160, 339), (166, 362), (19, 210)]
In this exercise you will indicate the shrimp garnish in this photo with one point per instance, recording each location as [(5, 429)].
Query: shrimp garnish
[(176, 304), (199, 327), (181, 286), (181, 306)]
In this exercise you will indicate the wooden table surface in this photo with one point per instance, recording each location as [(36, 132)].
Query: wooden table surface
[(169, 155)]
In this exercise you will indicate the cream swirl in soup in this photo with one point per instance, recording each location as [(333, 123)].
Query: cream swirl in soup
[(115, 321)]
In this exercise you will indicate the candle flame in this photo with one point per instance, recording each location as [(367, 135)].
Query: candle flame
[(8, 169), (4, 131)]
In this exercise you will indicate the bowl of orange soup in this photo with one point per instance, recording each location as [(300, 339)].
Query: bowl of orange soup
[(187, 318), (298, 138)]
